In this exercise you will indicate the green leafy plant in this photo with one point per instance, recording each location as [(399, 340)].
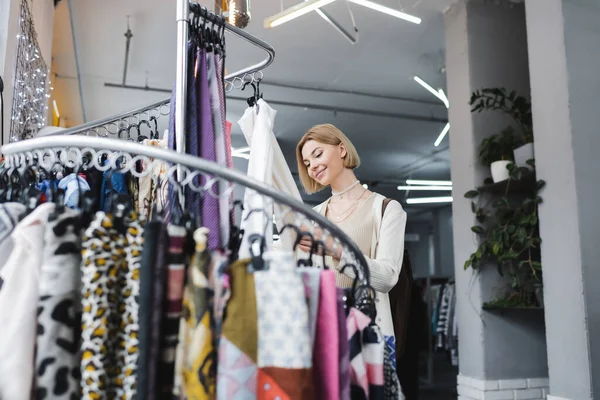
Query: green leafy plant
[(499, 99), (498, 147), (508, 233)]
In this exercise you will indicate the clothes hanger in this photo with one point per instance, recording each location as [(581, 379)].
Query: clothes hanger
[(179, 215), (31, 196), (4, 182), (361, 296), (154, 133), (121, 130), (235, 234), (306, 262), (137, 128), (257, 241), (141, 137), (58, 195), (250, 100), (319, 244)]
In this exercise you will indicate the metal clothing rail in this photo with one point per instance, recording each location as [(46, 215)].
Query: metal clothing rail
[(28, 148), (183, 10)]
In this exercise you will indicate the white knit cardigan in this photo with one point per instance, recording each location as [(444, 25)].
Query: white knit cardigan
[(385, 260)]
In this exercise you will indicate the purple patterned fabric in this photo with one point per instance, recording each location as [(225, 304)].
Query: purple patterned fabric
[(210, 204)]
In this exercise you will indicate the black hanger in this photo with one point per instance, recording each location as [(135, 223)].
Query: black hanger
[(319, 245), (235, 234), (58, 195), (121, 130), (31, 197), (155, 135), (137, 128), (250, 100), (180, 216), (4, 182), (306, 262), (362, 295), (257, 249)]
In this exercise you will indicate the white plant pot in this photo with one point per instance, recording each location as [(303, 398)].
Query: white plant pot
[(522, 154), (499, 171)]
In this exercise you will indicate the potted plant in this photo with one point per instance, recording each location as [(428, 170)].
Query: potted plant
[(518, 108), (496, 152), (508, 232)]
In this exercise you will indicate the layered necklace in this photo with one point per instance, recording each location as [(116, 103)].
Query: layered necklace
[(343, 192), (347, 212)]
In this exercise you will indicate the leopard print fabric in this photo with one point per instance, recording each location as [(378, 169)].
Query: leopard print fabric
[(110, 277), (58, 333)]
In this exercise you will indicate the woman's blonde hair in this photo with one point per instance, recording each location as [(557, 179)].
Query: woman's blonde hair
[(326, 134)]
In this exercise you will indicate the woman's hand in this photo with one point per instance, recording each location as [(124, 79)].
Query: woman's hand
[(306, 244)]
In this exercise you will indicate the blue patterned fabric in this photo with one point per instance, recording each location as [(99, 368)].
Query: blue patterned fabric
[(390, 342)]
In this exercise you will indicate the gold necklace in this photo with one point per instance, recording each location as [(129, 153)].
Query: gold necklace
[(339, 216)]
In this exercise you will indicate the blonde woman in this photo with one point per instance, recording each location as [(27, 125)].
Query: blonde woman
[(327, 159)]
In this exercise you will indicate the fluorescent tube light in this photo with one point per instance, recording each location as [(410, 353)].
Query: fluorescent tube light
[(295, 12), (442, 135), (442, 97), (430, 188), (426, 182), (429, 200), (439, 94), (387, 10)]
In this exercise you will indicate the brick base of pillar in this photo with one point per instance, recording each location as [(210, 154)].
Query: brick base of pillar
[(503, 389)]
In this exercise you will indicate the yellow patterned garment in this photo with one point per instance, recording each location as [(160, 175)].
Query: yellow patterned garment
[(110, 287), (196, 351)]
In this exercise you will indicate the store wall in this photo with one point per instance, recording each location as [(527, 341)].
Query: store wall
[(9, 17), (43, 19)]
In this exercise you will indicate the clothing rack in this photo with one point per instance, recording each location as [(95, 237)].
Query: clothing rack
[(183, 11), (20, 153)]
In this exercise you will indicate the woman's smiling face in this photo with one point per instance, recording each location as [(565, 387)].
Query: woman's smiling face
[(324, 162)]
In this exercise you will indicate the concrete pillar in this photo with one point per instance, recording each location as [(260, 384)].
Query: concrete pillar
[(564, 59), (501, 356)]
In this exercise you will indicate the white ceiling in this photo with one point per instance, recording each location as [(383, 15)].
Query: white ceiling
[(309, 52)]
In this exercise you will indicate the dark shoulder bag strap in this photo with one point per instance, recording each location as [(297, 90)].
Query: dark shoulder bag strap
[(400, 299)]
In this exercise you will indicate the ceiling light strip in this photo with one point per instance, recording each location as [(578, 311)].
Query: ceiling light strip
[(430, 188), (294, 12), (428, 182), (431, 90), (442, 135), (429, 200), (387, 10)]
